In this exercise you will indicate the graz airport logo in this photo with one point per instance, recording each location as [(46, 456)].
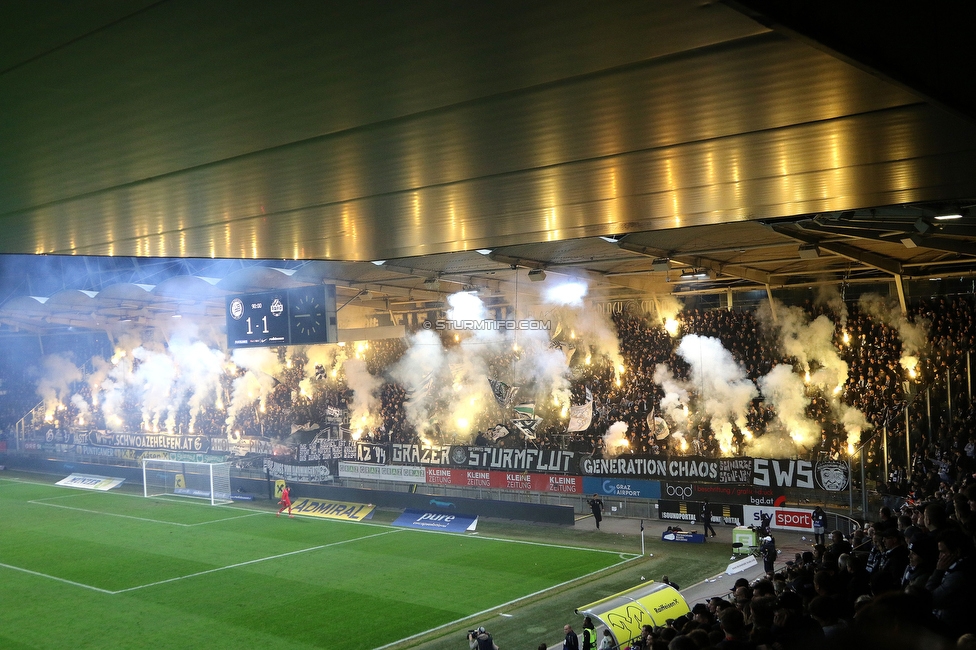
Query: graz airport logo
[(833, 475)]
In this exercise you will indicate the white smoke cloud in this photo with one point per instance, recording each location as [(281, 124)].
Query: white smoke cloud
[(364, 408), (725, 392), (615, 440), (54, 386), (785, 391)]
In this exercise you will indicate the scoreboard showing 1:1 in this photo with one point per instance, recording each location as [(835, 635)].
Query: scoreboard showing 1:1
[(296, 316), (257, 320)]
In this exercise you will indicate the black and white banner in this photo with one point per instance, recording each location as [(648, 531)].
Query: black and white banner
[(519, 460)]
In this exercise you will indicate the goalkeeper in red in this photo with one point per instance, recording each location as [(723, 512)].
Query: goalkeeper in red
[(285, 502)]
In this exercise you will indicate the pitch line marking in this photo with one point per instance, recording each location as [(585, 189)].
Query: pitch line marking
[(240, 564), (49, 577), (111, 514), (503, 605), (41, 502)]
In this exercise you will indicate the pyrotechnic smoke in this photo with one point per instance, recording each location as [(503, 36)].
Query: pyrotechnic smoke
[(364, 408), (668, 308), (784, 390), (829, 295), (811, 344), (914, 336), (54, 386), (82, 407), (260, 365), (153, 377), (615, 440), (724, 390), (854, 424), (674, 405), (418, 372)]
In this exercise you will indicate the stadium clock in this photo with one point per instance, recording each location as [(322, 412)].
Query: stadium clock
[(309, 315)]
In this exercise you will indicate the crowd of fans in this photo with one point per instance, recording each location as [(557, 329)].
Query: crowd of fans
[(877, 384), (903, 581)]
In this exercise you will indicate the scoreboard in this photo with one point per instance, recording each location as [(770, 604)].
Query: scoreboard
[(299, 316)]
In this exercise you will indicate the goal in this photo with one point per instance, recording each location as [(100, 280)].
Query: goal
[(209, 481)]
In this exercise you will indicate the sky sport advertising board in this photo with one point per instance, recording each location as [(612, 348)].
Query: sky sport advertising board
[(796, 519)]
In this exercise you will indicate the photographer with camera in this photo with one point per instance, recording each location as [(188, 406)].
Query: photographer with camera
[(480, 640)]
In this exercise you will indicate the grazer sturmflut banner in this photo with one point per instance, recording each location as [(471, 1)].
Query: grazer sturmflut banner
[(496, 458)]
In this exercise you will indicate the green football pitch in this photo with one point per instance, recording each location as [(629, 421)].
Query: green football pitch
[(116, 570)]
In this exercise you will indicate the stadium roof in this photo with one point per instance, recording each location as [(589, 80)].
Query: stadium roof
[(746, 145)]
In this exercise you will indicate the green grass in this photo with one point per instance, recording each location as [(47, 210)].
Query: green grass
[(89, 569), (182, 574)]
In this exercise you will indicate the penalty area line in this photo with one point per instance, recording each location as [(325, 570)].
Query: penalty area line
[(110, 514), (49, 577), (256, 561)]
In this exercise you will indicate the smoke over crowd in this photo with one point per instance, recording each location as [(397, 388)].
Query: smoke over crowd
[(670, 380)]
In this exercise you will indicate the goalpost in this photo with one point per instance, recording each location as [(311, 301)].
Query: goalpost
[(209, 481)]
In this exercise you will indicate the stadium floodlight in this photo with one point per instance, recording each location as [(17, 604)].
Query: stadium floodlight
[(210, 481)]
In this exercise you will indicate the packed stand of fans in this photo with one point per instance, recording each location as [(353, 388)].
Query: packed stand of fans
[(876, 384), (904, 581)]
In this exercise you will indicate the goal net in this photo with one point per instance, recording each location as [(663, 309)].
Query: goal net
[(209, 481)]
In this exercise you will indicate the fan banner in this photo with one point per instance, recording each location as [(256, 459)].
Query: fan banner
[(580, 417)]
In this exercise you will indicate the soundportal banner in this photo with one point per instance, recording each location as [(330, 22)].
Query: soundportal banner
[(690, 512)]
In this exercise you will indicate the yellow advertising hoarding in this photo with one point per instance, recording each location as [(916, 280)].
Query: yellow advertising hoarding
[(625, 613), (329, 509)]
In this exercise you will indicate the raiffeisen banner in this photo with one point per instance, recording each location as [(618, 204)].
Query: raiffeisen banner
[(328, 509), (646, 604), (426, 520)]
